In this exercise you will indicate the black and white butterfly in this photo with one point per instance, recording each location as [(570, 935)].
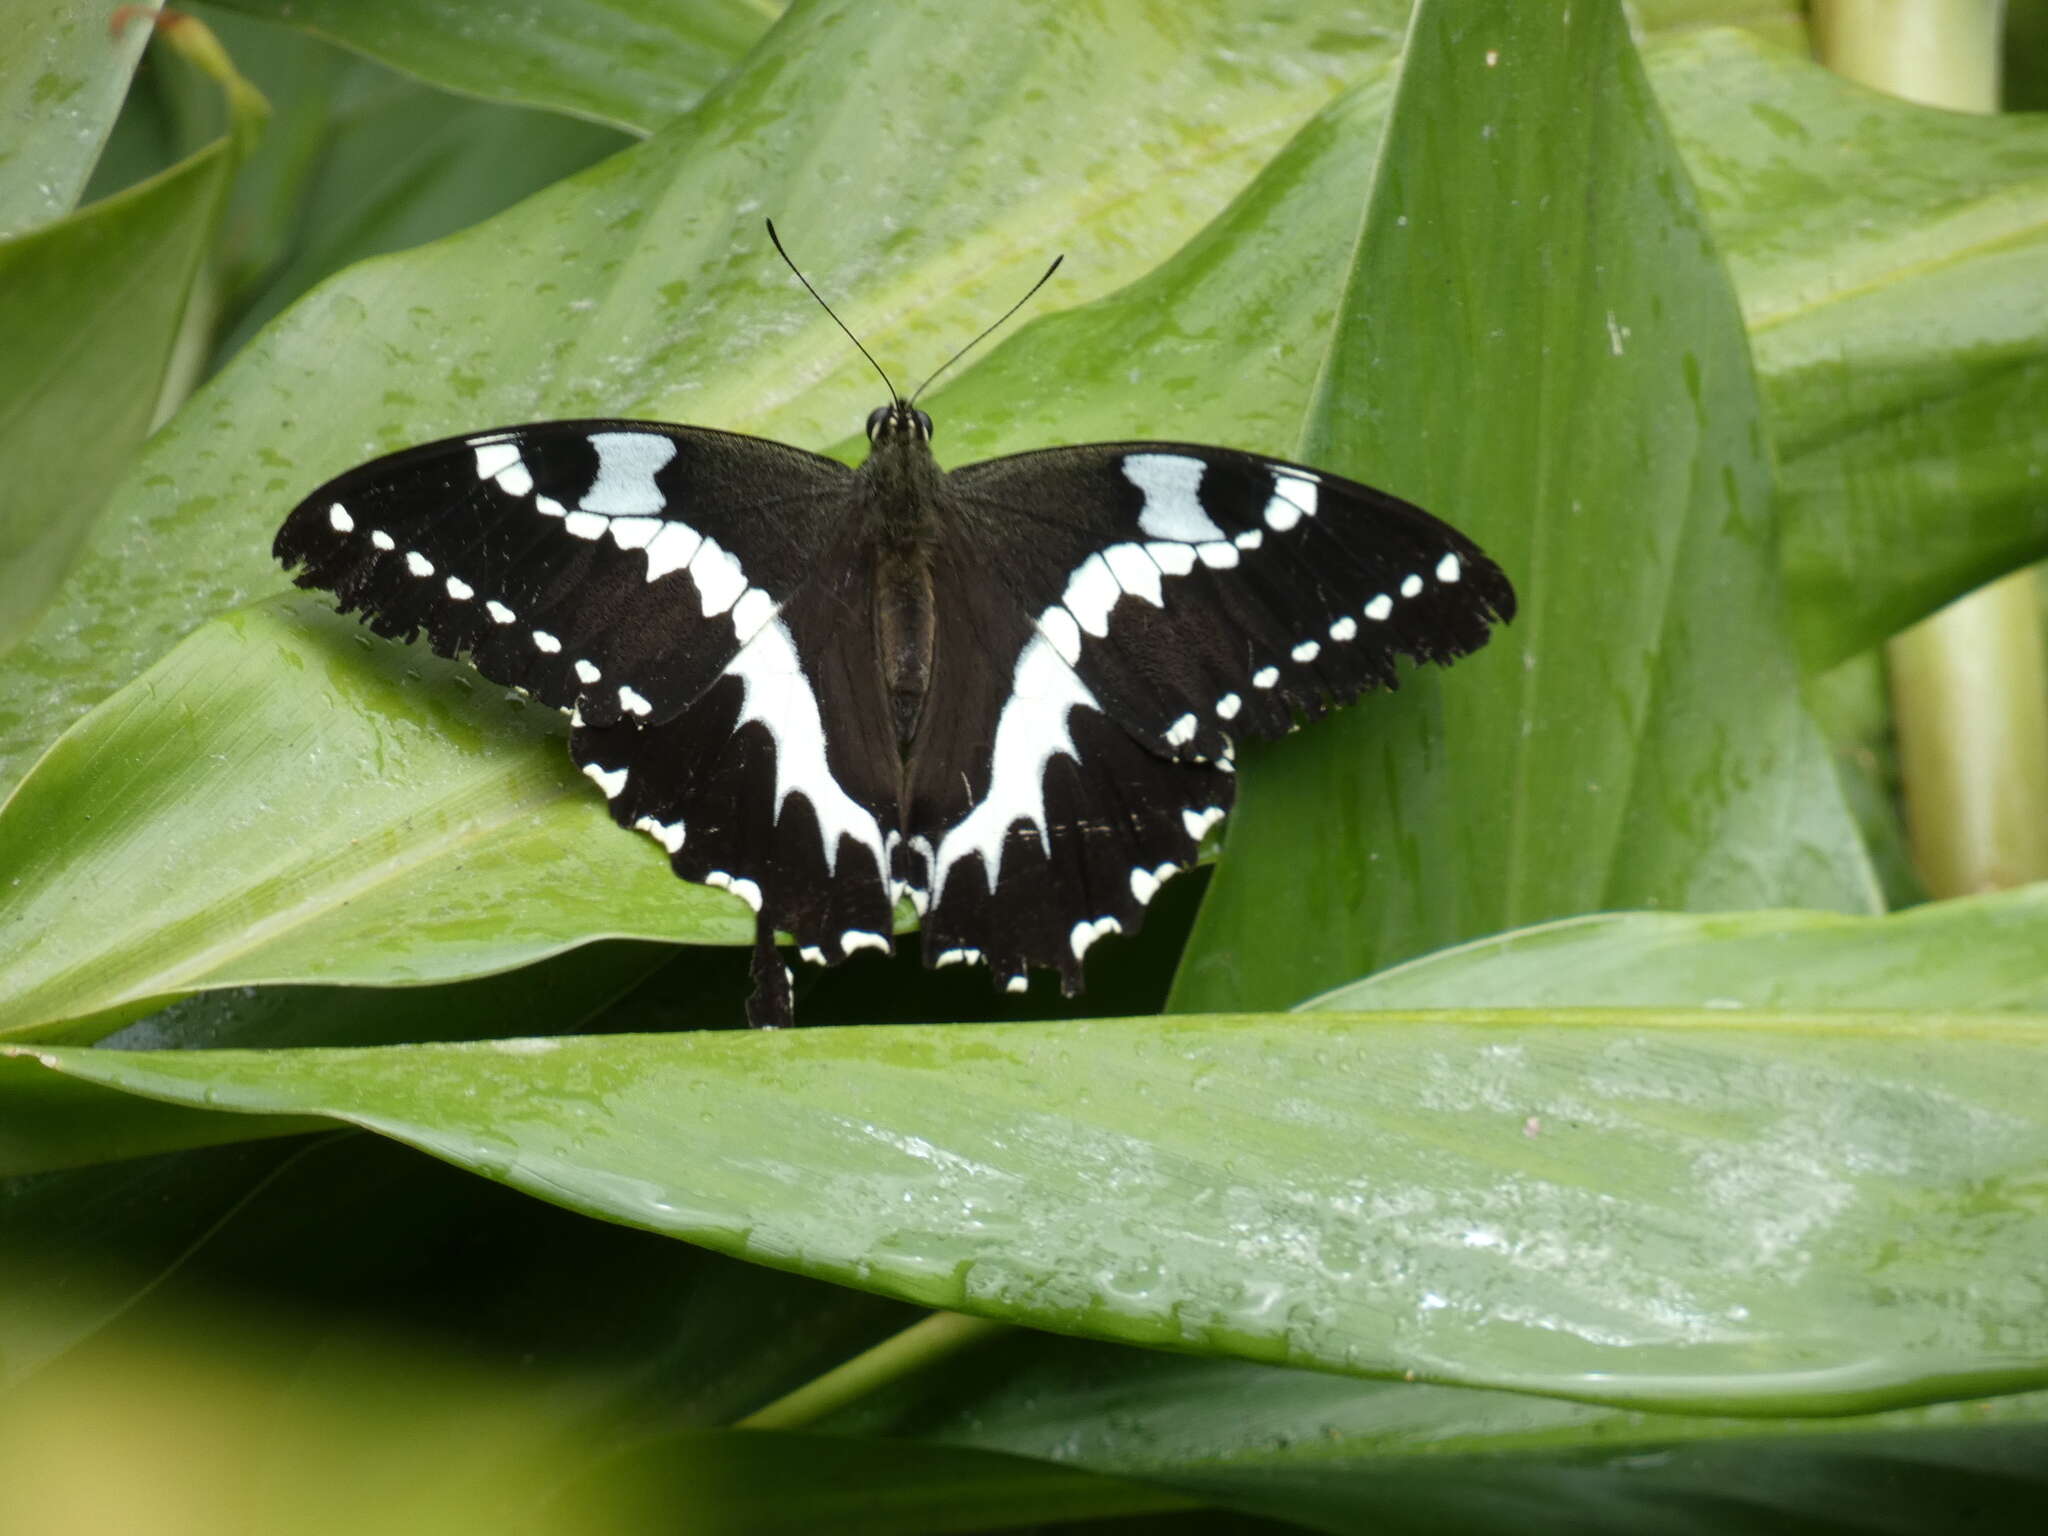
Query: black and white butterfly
[(1008, 694)]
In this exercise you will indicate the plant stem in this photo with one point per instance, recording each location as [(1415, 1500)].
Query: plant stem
[(922, 1344), (1969, 685)]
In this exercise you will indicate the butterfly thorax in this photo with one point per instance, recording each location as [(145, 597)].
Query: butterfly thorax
[(901, 486)]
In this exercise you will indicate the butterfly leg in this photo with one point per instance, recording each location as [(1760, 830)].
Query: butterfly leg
[(771, 1005)]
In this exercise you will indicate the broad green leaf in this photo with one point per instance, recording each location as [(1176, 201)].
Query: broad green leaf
[(163, 848), (91, 306), (1982, 952), (62, 76), (1565, 377), (42, 1127), (1890, 259), (1764, 1215), (635, 64), (1374, 1457)]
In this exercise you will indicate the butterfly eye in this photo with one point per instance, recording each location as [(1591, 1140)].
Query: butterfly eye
[(878, 418), (924, 423)]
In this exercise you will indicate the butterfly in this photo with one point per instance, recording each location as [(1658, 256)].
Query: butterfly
[(1009, 694)]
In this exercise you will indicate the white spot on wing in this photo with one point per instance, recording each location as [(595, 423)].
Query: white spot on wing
[(1058, 626), (339, 520), (632, 703), (718, 576), (1220, 556), (544, 641), (1085, 933), (956, 957), (1448, 570), (1135, 572), (1181, 731), (459, 589), (1293, 499), (812, 955), (1173, 503), (1145, 883), (672, 549), (635, 532), (1308, 650), (1174, 559), (586, 525), (1199, 822), (382, 539), (516, 481), (1265, 677), (1411, 586), (1251, 538), (1017, 984), (860, 938), (627, 463), (1345, 628), (499, 612), (587, 672), (1229, 705), (492, 458), (418, 563), (610, 780), (668, 834), (751, 612), (1091, 592), (1378, 609)]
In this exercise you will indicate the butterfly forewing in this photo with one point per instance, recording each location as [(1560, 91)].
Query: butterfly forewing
[(616, 565)]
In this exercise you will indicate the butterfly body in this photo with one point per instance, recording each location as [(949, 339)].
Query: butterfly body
[(1008, 695)]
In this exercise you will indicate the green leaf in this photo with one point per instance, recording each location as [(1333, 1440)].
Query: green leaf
[(1341, 1455), (1890, 260), (1764, 1215), (635, 64), (45, 1126), (62, 77), (169, 844), (1982, 952), (1565, 377), (91, 306)]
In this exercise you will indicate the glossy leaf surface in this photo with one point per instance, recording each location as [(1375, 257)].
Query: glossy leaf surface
[(634, 64), (1984, 952), (62, 77), (1778, 1204)]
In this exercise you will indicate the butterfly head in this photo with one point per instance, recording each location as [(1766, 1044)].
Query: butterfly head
[(899, 420)]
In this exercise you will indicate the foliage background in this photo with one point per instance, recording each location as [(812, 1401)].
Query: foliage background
[(1616, 1222)]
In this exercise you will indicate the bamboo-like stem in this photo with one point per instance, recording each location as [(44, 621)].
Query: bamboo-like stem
[(923, 1344), (1970, 684)]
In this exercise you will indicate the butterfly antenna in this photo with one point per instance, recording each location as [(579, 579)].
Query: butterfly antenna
[(949, 362), (864, 352)]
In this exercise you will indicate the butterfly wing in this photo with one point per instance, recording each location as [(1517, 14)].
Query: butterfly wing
[(779, 781), (662, 582), (1127, 611), (611, 565)]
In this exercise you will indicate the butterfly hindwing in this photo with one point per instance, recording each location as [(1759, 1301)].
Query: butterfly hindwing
[(1038, 823), (608, 564)]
